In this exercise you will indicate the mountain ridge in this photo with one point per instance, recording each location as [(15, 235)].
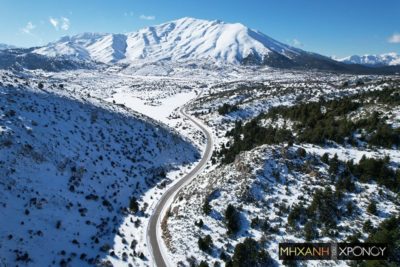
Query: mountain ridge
[(373, 60), (181, 39), (185, 40), (6, 46)]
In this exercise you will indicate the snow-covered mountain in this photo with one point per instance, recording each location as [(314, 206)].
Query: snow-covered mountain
[(184, 39), (23, 58), (388, 59), (6, 46)]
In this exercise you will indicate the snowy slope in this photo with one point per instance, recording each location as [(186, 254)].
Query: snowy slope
[(69, 165), (76, 46), (182, 39), (389, 59), (264, 183)]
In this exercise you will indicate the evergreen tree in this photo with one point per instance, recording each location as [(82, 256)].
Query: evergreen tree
[(134, 205), (387, 232), (368, 227), (350, 207), (203, 264), (206, 207), (232, 219), (325, 158), (372, 207), (249, 253), (310, 232), (200, 223), (205, 244), (334, 165)]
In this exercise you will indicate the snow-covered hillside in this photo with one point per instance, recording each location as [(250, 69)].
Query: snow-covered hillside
[(70, 164), (181, 40), (265, 185), (389, 59), (281, 191)]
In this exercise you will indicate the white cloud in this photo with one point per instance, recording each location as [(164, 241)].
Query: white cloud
[(129, 14), (54, 22), (395, 38), (147, 17), (296, 42), (65, 23), (60, 23), (28, 28)]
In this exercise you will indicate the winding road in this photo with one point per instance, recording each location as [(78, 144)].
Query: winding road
[(154, 239)]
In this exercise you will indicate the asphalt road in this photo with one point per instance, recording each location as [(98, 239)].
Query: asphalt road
[(154, 227)]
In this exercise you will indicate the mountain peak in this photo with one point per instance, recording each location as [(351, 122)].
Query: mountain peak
[(81, 36), (187, 40), (192, 19), (188, 19), (183, 39)]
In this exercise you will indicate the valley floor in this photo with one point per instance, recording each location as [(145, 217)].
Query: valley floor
[(110, 143)]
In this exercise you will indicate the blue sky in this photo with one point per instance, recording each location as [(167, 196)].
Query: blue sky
[(336, 27)]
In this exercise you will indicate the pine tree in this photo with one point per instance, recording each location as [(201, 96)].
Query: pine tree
[(309, 231), (249, 253), (232, 219), (205, 244), (372, 207), (206, 207), (388, 232), (134, 205)]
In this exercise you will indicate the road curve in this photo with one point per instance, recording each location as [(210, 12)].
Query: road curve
[(154, 226)]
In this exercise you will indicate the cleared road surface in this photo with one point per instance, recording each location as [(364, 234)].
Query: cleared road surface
[(154, 227)]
